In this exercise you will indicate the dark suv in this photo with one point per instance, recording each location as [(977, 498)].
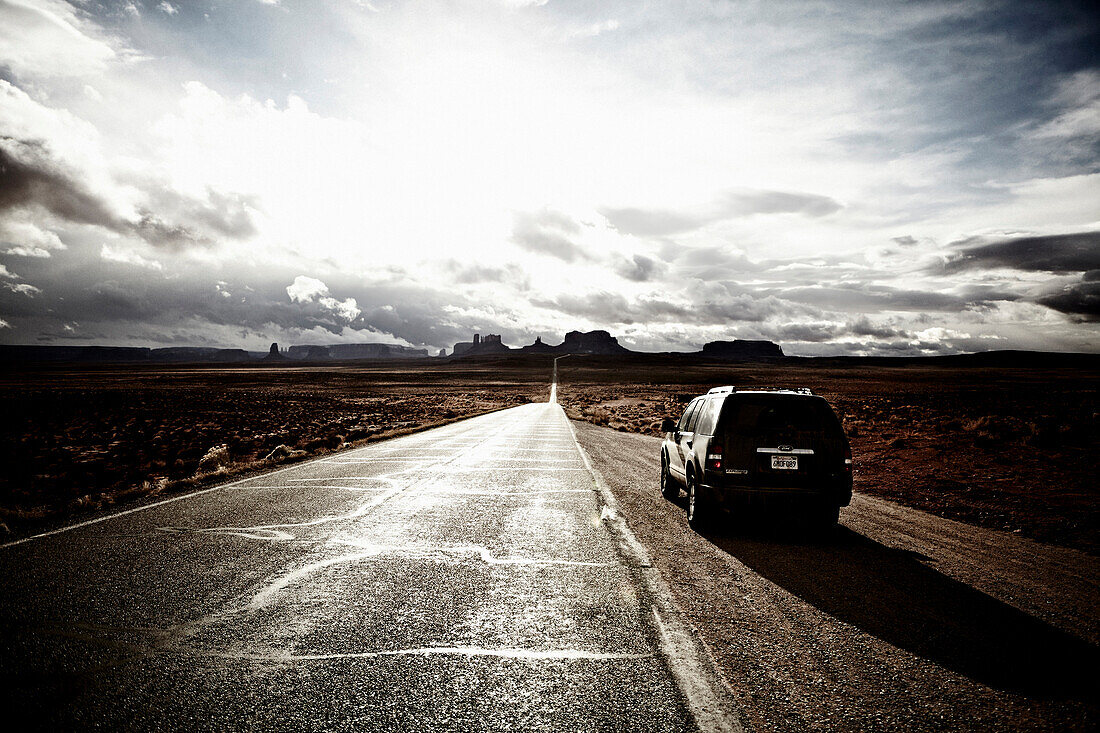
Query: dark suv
[(780, 449)]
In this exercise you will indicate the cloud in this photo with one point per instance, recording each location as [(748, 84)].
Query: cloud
[(23, 289), (476, 273), (112, 254), (45, 39), (594, 29), (813, 332), (24, 238), (863, 326), (639, 268), (31, 178), (745, 132), (1077, 99), (34, 178), (733, 204), (1076, 252), (308, 290), (707, 308), (653, 222), (871, 297), (1080, 300), (167, 8), (546, 232)]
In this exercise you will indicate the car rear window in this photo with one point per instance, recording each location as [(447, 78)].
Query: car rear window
[(769, 414)]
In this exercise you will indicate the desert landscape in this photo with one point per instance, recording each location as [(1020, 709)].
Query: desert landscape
[(82, 438), (1006, 448)]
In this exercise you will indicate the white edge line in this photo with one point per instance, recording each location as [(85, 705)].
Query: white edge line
[(200, 492), (691, 663)]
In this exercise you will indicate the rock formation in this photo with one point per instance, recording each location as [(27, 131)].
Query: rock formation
[(742, 350)]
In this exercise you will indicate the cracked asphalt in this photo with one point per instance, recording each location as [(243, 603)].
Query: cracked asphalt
[(462, 578), (489, 575)]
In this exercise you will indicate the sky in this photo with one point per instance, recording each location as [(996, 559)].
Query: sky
[(838, 177)]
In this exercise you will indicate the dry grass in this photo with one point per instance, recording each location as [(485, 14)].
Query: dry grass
[(1013, 449), (86, 439)]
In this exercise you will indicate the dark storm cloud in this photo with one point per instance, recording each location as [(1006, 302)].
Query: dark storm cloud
[(1049, 253), (863, 326), (27, 178), (161, 234), (30, 177), (658, 222), (871, 297), (612, 308), (227, 214), (226, 305), (547, 232), (639, 268), (1080, 300), (814, 332)]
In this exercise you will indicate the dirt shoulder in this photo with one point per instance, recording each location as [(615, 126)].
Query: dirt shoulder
[(78, 440), (1010, 449), (901, 621)]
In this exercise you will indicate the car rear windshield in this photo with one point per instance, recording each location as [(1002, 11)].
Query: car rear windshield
[(760, 414)]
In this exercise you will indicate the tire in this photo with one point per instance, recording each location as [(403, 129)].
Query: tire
[(698, 510), (824, 521), (669, 488)]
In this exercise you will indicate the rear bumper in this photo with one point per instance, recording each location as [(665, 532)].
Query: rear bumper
[(835, 492)]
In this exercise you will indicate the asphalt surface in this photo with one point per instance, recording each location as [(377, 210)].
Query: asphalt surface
[(491, 575), (464, 578), (899, 620)]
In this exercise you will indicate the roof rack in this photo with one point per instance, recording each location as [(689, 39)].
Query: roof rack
[(723, 390), (804, 390)]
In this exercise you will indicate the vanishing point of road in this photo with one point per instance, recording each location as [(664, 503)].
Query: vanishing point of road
[(471, 577)]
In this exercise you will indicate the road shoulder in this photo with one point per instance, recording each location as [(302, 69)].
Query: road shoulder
[(902, 620)]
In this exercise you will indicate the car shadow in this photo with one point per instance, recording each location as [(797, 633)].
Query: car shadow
[(895, 596)]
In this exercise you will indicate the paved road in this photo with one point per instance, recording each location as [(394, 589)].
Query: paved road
[(464, 578), (900, 621)]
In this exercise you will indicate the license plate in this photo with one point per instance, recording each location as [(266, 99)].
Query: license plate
[(785, 463)]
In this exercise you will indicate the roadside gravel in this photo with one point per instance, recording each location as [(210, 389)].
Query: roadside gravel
[(899, 621)]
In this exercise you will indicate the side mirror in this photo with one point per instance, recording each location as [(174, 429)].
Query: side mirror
[(667, 426)]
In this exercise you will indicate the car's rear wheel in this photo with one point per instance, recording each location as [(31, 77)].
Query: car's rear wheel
[(699, 511), (669, 488), (824, 520)]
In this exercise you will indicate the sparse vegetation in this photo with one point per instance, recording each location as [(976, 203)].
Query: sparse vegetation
[(1013, 449), (77, 440)]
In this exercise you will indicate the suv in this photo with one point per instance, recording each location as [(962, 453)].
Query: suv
[(753, 448)]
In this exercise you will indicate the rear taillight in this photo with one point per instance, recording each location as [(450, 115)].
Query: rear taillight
[(848, 460), (714, 458)]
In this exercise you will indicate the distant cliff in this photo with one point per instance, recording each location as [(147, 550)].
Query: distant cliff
[(119, 354), (591, 342), (355, 351), (491, 344), (742, 350), (578, 342)]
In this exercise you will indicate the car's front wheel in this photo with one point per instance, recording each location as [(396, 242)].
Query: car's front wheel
[(669, 488)]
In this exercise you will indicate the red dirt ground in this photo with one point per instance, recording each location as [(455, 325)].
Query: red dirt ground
[(1012, 449)]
